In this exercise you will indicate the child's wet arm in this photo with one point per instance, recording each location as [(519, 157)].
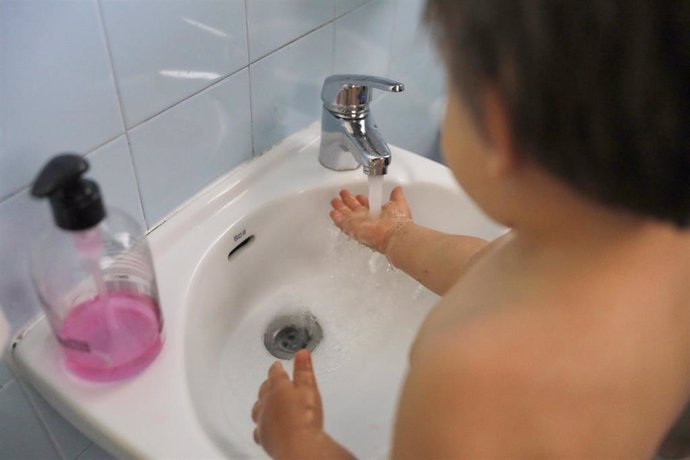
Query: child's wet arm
[(433, 258)]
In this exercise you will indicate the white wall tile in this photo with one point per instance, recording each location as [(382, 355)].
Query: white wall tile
[(56, 89), (21, 434), (411, 119), (286, 87), (273, 23), (5, 373), (363, 39), (409, 25), (70, 442), (22, 219), (165, 51), (111, 167), (95, 453), (182, 150), (344, 6)]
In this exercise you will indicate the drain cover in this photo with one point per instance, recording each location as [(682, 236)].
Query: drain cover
[(288, 334)]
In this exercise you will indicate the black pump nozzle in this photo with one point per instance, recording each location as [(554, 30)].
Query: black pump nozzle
[(76, 201)]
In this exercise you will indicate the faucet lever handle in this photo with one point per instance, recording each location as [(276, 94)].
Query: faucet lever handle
[(350, 95)]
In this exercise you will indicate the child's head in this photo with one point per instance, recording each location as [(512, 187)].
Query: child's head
[(597, 92)]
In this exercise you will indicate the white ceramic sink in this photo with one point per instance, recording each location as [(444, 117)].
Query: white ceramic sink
[(194, 401)]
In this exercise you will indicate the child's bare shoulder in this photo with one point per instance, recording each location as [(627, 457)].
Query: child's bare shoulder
[(576, 358), (556, 305)]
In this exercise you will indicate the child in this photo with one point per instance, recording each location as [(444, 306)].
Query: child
[(569, 337)]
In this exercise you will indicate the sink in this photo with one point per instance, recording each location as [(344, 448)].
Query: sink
[(254, 246), (294, 260)]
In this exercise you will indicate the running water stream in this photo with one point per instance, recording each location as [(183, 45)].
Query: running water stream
[(375, 196)]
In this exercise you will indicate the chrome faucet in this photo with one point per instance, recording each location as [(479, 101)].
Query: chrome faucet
[(349, 135)]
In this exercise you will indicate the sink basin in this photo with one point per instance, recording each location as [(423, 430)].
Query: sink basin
[(256, 245), (295, 261)]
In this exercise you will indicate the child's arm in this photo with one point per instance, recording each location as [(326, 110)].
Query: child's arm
[(433, 258)]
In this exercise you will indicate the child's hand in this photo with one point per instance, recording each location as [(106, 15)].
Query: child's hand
[(351, 215), (288, 413)]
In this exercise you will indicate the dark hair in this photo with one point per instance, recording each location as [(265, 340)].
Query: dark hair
[(597, 91)]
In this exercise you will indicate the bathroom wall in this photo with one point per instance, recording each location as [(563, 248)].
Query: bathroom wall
[(163, 97)]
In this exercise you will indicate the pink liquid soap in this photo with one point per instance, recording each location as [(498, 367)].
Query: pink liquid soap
[(112, 339)]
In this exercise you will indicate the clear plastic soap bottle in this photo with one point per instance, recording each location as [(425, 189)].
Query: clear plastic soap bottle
[(94, 275)]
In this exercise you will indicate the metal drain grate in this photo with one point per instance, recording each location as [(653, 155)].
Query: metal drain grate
[(288, 334)]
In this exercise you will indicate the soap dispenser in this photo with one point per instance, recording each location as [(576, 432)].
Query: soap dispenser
[(94, 275)]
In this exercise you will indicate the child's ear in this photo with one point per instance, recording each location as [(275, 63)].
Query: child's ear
[(502, 159)]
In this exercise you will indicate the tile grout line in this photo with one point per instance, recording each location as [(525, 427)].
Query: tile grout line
[(90, 151), (120, 107), (186, 98), (15, 193), (354, 9), (82, 452), (39, 418), (249, 76), (8, 382), (26, 187), (85, 449), (320, 26)]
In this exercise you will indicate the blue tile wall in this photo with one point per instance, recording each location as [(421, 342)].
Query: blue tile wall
[(183, 149), (166, 51), (163, 98), (284, 85), (69, 442), (57, 90), (411, 119), (22, 436), (344, 6), (363, 39), (269, 29)]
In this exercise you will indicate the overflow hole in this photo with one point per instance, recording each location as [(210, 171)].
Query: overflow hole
[(243, 244)]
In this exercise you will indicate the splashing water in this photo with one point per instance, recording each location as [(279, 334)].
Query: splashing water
[(375, 196)]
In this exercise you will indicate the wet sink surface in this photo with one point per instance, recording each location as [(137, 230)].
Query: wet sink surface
[(298, 261)]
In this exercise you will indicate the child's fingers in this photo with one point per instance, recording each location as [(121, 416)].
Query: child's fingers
[(263, 389), (255, 411), (276, 373), (338, 205), (303, 373), (363, 200), (397, 195), (337, 217), (349, 200)]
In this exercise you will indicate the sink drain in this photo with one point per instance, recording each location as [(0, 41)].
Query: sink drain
[(286, 335)]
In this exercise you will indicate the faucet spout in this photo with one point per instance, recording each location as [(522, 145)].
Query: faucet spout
[(364, 141), (349, 135)]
